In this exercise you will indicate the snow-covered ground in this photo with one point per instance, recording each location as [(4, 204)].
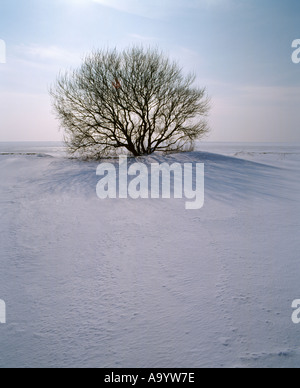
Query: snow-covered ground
[(146, 283)]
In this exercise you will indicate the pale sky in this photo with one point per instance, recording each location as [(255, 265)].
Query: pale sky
[(241, 51)]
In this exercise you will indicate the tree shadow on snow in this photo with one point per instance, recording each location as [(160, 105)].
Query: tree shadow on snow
[(226, 178)]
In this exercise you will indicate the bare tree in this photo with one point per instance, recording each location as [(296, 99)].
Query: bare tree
[(136, 100)]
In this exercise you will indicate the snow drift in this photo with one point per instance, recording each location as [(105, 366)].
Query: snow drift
[(145, 283)]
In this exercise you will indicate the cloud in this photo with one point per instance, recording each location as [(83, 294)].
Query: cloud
[(32, 67), (157, 8), (38, 53), (136, 7), (142, 38)]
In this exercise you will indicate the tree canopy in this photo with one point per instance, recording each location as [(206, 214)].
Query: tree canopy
[(136, 100)]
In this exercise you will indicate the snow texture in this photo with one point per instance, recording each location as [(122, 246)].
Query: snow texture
[(146, 283)]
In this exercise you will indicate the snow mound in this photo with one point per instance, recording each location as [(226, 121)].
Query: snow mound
[(39, 155), (145, 283)]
